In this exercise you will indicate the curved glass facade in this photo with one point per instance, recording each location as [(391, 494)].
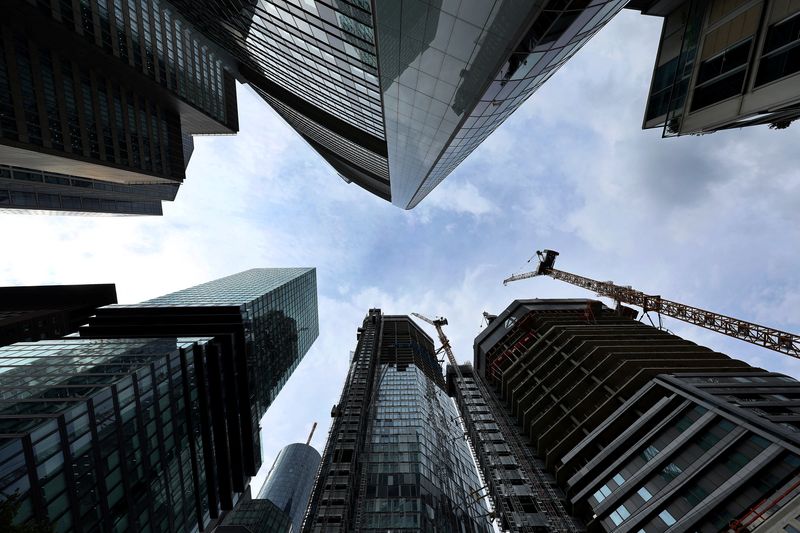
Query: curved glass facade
[(395, 94), (291, 480)]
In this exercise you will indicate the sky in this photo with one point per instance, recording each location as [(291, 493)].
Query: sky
[(710, 221)]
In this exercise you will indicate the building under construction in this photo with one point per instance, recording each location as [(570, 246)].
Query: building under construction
[(396, 457), (583, 418)]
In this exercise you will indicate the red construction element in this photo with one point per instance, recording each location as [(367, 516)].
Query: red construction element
[(494, 367), (756, 512)]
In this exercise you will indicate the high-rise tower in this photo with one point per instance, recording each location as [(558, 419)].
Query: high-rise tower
[(151, 418), (396, 457), (608, 424), (291, 480), (395, 94)]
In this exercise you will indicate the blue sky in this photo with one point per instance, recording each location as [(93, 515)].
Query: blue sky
[(710, 221)]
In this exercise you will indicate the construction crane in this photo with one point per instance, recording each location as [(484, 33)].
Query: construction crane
[(766, 337), (438, 323)]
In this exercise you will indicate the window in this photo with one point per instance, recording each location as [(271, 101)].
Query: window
[(722, 76), (644, 493), (619, 515), (23, 199), (781, 55), (602, 493), (666, 517)]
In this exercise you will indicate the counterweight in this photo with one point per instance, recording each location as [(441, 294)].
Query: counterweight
[(766, 337)]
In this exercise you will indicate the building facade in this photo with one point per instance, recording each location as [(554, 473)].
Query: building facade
[(256, 516), (291, 480), (212, 358), (34, 192), (607, 424), (49, 311), (105, 435), (396, 458), (394, 95), (723, 64), (106, 91)]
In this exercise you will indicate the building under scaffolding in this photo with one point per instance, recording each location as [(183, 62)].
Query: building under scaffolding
[(575, 410), (525, 495), (396, 456)]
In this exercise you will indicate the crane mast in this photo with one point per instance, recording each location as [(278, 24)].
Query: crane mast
[(438, 323), (766, 337)]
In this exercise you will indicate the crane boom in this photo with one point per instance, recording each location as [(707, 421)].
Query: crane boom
[(766, 337), (438, 323)]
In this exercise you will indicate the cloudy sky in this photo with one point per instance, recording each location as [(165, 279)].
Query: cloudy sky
[(710, 221)]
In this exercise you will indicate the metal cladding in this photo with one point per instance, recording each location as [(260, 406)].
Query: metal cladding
[(149, 420), (395, 456), (291, 480), (638, 428)]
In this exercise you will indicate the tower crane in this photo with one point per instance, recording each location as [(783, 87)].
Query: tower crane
[(438, 323), (766, 337)]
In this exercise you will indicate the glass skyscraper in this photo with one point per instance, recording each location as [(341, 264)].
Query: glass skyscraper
[(392, 94), (396, 457), (290, 481), (105, 434), (395, 94), (167, 395)]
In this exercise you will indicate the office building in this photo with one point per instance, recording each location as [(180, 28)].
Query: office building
[(108, 91), (394, 95), (396, 457), (724, 64), (256, 516), (49, 311), (608, 424), (151, 417), (105, 434), (291, 480)]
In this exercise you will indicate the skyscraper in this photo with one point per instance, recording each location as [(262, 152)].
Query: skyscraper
[(724, 65), (396, 457), (151, 418), (394, 95), (49, 311), (108, 91), (608, 424), (291, 480)]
